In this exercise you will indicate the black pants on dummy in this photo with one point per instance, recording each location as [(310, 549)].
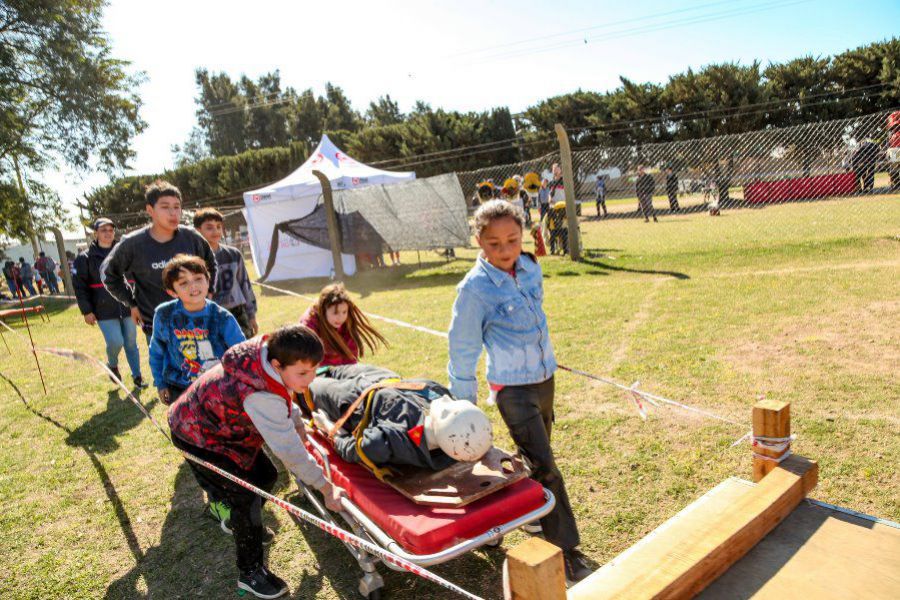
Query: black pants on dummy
[(246, 506), (528, 412)]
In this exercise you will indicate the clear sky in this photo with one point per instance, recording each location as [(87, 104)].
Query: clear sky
[(460, 54)]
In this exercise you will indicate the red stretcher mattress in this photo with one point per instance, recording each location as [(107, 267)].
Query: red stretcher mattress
[(428, 529)]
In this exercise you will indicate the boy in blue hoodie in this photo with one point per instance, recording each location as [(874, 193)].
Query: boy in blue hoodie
[(191, 332)]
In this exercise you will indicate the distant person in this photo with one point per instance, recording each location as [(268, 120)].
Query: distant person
[(863, 162), (601, 194), (556, 185), (99, 307), (644, 186), (233, 290), (672, 189), (143, 254), (46, 266), (10, 278), (17, 278), (26, 273), (342, 326), (543, 199)]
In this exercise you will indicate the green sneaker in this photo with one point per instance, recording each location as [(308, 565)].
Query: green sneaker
[(219, 511)]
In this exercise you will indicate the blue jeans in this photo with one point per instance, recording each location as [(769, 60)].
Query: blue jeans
[(120, 333), (28, 284)]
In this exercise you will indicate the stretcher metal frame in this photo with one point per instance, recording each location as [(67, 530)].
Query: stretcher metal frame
[(370, 583)]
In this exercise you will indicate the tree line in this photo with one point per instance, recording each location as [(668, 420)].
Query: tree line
[(250, 132)]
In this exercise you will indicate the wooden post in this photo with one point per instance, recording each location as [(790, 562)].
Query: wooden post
[(63, 261), (334, 233), (534, 570), (565, 157), (771, 419)]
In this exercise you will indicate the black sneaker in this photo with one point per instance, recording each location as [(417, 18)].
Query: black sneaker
[(268, 536), (261, 583), (576, 566), (115, 371), (139, 383)]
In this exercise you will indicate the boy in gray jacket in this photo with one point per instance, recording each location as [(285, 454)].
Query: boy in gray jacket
[(233, 289)]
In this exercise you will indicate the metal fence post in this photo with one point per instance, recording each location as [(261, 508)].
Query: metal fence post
[(565, 157)]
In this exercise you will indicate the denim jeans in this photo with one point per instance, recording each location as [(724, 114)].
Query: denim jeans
[(120, 333)]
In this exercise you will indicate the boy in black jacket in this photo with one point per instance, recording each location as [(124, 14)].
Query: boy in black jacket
[(143, 254)]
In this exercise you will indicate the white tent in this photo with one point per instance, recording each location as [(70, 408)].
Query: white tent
[(296, 196)]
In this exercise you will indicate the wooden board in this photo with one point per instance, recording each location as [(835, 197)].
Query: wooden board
[(461, 483), (690, 550), (817, 554)]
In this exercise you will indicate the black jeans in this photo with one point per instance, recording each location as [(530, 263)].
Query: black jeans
[(528, 412), (246, 506)]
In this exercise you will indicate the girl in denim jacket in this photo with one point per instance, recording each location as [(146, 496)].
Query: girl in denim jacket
[(499, 307)]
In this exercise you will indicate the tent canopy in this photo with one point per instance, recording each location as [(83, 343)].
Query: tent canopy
[(342, 171), (296, 196)]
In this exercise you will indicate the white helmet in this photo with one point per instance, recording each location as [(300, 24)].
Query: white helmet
[(460, 429)]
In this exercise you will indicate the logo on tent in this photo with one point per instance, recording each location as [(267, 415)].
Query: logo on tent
[(341, 157), (355, 181), (256, 197), (319, 157)]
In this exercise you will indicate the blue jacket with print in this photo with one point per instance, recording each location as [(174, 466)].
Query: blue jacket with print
[(185, 344), (504, 314)]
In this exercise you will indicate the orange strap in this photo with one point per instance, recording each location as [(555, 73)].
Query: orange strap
[(385, 383)]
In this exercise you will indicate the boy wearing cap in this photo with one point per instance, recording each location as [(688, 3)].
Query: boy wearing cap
[(99, 308), (144, 254)]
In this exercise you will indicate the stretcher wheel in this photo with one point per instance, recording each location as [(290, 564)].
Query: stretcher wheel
[(495, 543)]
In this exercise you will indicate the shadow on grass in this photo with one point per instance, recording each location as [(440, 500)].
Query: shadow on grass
[(98, 434), (193, 558), (590, 260), (108, 487)]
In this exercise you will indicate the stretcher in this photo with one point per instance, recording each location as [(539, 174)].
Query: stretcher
[(424, 535)]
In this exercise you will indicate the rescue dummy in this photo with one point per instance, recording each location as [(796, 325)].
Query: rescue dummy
[(374, 417)]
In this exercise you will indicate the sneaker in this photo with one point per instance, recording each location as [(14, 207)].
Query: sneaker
[(115, 371), (139, 383), (576, 566), (219, 511), (261, 583), (533, 528)]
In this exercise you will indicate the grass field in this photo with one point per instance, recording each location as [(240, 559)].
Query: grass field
[(797, 302)]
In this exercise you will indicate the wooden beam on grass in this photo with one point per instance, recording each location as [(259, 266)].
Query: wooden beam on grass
[(692, 549), (534, 570)]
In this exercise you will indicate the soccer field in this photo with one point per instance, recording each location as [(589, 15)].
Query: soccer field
[(797, 302)]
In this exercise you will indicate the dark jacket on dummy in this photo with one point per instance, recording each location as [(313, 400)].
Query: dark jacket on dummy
[(395, 434)]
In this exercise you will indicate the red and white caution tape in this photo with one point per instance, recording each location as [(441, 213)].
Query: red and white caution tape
[(337, 532), (637, 395)]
